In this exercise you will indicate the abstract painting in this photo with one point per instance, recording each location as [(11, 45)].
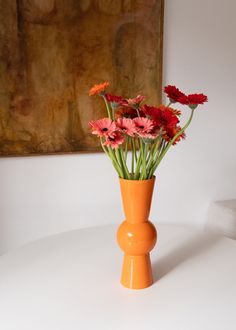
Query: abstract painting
[(53, 51)]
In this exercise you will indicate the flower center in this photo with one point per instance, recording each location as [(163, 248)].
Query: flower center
[(123, 128), (105, 129), (142, 127)]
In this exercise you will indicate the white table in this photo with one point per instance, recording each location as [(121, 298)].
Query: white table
[(70, 281)]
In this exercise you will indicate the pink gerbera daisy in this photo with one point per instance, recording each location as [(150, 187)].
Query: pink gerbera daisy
[(126, 125), (103, 127), (114, 141), (134, 102), (144, 126)]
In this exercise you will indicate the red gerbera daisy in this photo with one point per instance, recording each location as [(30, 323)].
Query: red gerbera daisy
[(103, 127), (173, 93), (150, 110), (167, 118), (192, 100), (114, 141), (170, 132), (128, 112), (114, 98), (162, 116), (176, 112)]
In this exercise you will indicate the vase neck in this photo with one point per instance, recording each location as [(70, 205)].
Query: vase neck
[(137, 198)]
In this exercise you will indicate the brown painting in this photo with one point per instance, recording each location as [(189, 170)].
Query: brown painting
[(53, 51)]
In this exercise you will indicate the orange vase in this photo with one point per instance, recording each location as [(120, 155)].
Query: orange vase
[(136, 235)]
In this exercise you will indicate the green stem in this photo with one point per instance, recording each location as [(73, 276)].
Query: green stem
[(133, 156), (138, 165), (113, 113), (156, 157), (135, 149), (155, 150), (177, 135), (124, 164), (137, 110), (110, 154), (164, 151), (117, 153), (107, 107), (144, 152), (150, 152), (150, 158), (126, 147)]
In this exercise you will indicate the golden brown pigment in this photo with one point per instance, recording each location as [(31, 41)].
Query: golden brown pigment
[(53, 51)]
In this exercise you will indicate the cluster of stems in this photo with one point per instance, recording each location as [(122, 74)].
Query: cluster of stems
[(146, 154)]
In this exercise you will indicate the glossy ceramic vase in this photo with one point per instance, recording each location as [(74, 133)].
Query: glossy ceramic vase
[(136, 235)]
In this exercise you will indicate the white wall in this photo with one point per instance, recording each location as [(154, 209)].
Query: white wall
[(44, 195)]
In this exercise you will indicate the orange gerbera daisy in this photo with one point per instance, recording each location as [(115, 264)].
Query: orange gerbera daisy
[(98, 89)]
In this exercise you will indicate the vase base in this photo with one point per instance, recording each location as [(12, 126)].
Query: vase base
[(137, 272)]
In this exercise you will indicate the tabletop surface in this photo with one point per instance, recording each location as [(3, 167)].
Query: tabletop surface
[(71, 281)]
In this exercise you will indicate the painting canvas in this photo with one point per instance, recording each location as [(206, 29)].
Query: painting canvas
[(53, 51)]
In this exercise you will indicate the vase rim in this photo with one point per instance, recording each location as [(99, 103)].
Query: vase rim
[(146, 180)]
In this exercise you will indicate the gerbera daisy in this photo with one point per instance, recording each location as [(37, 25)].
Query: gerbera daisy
[(114, 141), (114, 98), (98, 89), (192, 100), (127, 112), (176, 112), (170, 132), (153, 134), (126, 125), (134, 102), (167, 117), (144, 126), (173, 93), (103, 127), (162, 116), (150, 110)]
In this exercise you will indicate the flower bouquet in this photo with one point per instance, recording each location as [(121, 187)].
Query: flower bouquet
[(148, 132)]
